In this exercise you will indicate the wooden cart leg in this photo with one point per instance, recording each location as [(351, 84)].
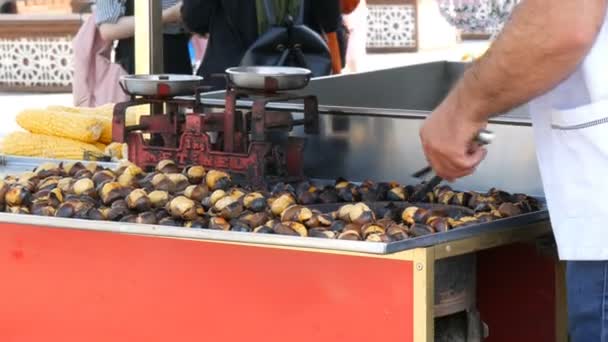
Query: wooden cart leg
[(561, 305), (424, 291)]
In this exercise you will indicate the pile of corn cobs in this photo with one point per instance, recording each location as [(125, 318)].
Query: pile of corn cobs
[(197, 198)]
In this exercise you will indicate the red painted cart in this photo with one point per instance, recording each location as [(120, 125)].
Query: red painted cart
[(71, 280)]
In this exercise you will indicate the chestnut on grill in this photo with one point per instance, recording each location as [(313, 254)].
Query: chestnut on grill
[(182, 207), (236, 193), (324, 233), (255, 201), (167, 166), (239, 226), (296, 213), (419, 229), (196, 192), (219, 223), (397, 194), (18, 210), (290, 228), (198, 224), (158, 198), (350, 232), (445, 197), (160, 181), (228, 207), (138, 200), (44, 210), (280, 188), (17, 195), (328, 195), (147, 217), (279, 204), (372, 228), (217, 180), (129, 219), (378, 238), (263, 230), (397, 232), (169, 221), (509, 209), (71, 168), (180, 182), (65, 184), (337, 226), (461, 199), (254, 219), (95, 214), (84, 186), (195, 173), (439, 224), (4, 188), (103, 176), (111, 191), (48, 183), (319, 220), (308, 197)]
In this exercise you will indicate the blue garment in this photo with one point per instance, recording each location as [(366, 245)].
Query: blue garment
[(587, 300)]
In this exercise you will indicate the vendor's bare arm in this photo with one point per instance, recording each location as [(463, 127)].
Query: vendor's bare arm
[(541, 45)]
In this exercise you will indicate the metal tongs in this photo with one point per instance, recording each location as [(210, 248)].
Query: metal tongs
[(484, 137)]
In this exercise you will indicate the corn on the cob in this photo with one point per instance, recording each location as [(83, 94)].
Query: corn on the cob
[(44, 146), (105, 113), (116, 151), (61, 124), (101, 146)]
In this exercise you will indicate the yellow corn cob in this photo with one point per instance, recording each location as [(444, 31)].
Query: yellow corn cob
[(100, 146), (61, 124), (116, 151), (106, 113), (44, 146)]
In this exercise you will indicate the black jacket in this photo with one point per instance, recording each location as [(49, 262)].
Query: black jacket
[(232, 28)]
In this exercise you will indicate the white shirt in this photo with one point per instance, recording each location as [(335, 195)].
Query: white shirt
[(571, 132)]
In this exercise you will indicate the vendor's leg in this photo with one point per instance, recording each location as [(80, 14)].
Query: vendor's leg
[(587, 300)]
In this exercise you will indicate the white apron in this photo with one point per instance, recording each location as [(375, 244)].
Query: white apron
[(571, 132)]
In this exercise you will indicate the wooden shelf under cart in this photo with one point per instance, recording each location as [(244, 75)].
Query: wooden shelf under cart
[(71, 280)]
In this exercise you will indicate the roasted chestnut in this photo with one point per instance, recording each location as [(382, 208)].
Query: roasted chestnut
[(167, 166), (254, 220), (17, 195), (419, 229), (219, 223), (160, 181), (103, 176), (195, 173), (255, 201), (111, 191), (263, 230), (290, 228), (84, 186), (378, 238), (217, 180), (296, 213), (319, 232), (183, 208), (180, 182), (170, 221), (158, 198), (71, 168), (138, 200), (196, 192), (147, 217), (328, 195), (279, 204), (397, 194), (372, 228), (228, 207)]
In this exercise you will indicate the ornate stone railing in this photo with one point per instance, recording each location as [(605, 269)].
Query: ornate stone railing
[(36, 51), (392, 26)]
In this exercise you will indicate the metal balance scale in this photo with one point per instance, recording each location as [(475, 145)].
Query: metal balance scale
[(241, 146)]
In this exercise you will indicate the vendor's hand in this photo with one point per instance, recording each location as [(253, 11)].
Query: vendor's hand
[(173, 13), (447, 139)]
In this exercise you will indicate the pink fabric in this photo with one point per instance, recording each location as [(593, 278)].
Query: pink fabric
[(96, 78)]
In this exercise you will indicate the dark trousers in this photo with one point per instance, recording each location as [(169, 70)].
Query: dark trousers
[(587, 283)]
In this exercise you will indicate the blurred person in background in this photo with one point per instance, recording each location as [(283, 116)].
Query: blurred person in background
[(115, 21), (8, 7), (355, 19), (228, 43)]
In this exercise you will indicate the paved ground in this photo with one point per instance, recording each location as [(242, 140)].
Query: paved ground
[(11, 103)]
